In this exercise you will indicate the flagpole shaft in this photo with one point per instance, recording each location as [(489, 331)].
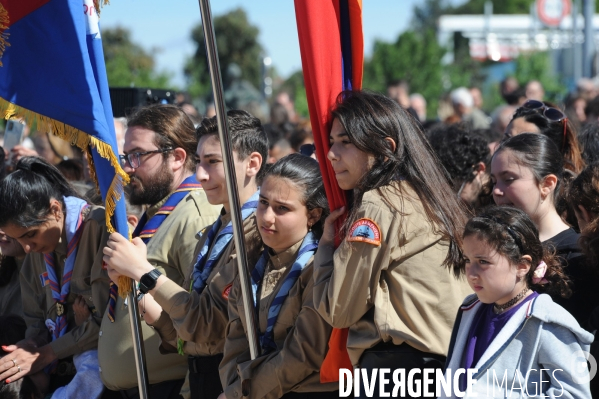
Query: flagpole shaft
[(225, 141), (138, 344)]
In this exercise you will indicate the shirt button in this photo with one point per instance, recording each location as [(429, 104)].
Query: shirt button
[(100, 333), (100, 368)]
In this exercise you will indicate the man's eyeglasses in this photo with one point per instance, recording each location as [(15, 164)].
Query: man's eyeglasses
[(550, 113), (134, 158)]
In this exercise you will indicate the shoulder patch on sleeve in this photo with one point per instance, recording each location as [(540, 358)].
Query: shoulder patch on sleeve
[(365, 230)]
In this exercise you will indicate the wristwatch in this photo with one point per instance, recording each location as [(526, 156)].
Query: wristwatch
[(148, 281)]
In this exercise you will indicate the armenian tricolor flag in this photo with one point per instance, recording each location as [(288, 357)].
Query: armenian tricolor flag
[(332, 49), (53, 77)]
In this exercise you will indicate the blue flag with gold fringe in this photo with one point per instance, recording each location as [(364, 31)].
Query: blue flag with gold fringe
[(53, 77)]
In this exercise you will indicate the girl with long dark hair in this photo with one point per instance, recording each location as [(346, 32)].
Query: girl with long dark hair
[(389, 281), (293, 336)]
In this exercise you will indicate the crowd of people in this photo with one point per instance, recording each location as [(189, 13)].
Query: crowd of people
[(468, 242)]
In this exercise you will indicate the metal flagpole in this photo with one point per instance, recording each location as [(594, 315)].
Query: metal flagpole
[(225, 141), (143, 381)]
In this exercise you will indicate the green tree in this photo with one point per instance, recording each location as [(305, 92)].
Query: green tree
[(414, 57), (128, 64), (499, 7), (237, 42), (294, 85)]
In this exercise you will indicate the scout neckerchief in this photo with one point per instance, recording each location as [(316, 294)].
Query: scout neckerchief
[(147, 228), (204, 264), (307, 249), (74, 208), (206, 260)]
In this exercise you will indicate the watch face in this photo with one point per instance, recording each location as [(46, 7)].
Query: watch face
[(148, 281)]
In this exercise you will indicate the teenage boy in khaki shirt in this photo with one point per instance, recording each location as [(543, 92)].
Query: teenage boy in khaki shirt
[(198, 319)]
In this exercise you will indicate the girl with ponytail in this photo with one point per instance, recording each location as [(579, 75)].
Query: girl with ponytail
[(528, 173), (61, 277), (510, 326)]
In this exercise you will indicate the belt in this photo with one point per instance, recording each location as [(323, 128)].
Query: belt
[(204, 364)]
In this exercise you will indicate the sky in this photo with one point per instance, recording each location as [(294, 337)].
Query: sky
[(164, 27)]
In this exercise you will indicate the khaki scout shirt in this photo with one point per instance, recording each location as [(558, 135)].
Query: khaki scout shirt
[(396, 291), (89, 280), (10, 294), (170, 251), (300, 334), (201, 320)]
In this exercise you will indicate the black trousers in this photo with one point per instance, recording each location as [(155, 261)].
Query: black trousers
[(204, 380), (393, 357), (162, 390)]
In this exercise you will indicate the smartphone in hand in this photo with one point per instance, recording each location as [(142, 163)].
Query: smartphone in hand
[(13, 135)]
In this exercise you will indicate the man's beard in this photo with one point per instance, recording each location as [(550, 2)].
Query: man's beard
[(153, 189)]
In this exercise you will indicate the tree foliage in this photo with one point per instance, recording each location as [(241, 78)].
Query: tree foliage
[(128, 64), (414, 57), (237, 42), (499, 7), (294, 85)]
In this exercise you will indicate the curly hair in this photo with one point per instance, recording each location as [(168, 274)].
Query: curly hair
[(584, 190), (589, 142), (459, 151), (513, 234)]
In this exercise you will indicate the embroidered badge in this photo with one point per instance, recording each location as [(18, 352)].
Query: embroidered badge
[(44, 279), (227, 291), (365, 230)]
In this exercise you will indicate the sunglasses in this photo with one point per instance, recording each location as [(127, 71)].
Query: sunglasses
[(549, 113)]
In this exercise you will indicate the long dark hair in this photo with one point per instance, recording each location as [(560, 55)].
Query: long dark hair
[(368, 119), (304, 173), (26, 193), (512, 233), (566, 144)]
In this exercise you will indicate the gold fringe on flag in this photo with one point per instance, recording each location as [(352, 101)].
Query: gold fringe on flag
[(98, 4), (3, 27), (85, 142)]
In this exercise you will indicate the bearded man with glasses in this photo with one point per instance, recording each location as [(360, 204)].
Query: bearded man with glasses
[(160, 143)]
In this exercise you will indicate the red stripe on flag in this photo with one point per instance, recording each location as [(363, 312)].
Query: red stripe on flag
[(18, 9), (319, 34)]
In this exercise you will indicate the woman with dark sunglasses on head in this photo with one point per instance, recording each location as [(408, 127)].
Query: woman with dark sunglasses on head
[(546, 119)]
